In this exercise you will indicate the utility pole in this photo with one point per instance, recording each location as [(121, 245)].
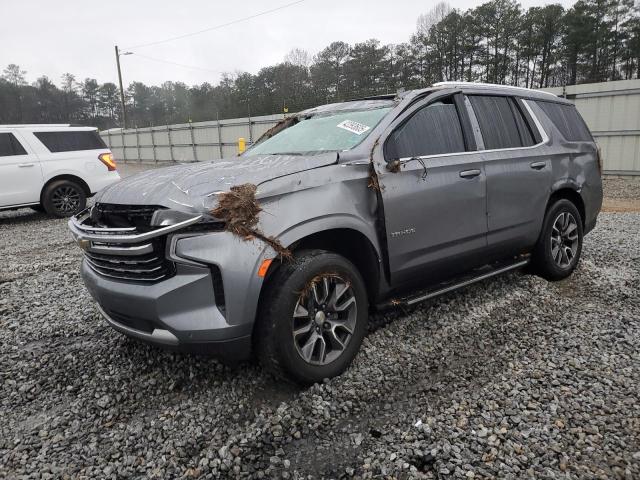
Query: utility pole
[(124, 110)]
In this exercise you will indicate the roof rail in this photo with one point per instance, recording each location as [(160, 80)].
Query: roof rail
[(489, 86), (37, 125)]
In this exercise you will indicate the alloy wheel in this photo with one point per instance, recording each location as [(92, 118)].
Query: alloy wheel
[(564, 239), (66, 199), (324, 319)]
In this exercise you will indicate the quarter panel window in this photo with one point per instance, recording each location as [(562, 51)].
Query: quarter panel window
[(9, 145), (498, 122), (567, 119), (70, 141), (526, 136), (432, 130)]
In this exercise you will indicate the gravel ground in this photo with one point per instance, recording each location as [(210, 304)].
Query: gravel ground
[(512, 378), (623, 194), (627, 188)]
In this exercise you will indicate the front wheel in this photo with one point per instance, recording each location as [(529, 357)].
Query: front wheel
[(558, 249), (313, 317)]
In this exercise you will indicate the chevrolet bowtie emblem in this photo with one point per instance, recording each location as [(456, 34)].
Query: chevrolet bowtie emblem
[(84, 244)]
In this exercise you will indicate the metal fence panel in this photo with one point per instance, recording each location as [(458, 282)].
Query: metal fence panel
[(612, 111), (186, 142)]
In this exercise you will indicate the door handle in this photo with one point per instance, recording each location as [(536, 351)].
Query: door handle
[(469, 173), (538, 165), (25, 165)]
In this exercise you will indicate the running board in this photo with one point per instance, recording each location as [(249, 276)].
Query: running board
[(427, 294)]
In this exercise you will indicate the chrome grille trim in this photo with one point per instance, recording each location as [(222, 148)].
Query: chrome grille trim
[(111, 235), (125, 251)]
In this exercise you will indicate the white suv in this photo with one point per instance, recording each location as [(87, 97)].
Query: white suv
[(54, 168)]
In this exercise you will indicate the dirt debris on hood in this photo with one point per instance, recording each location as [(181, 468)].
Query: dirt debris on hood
[(394, 167), (311, 284), (239, 210), (373, 180), (374, 183)]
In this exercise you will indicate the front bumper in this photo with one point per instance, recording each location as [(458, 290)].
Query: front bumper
[(207, 300), (178, 312)]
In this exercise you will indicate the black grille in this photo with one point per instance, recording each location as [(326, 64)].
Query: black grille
[(123, 216), (149, 265), (138, 262)]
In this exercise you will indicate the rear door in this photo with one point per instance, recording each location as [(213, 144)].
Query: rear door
[(518, 170), (435, 198), (20, 173), (72, 151)]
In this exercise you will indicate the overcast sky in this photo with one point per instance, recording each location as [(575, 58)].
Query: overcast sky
[(78, 36)]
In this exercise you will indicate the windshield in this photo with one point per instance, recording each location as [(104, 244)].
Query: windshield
[(332, 132)]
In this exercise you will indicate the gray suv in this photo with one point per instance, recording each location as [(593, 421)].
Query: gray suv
[(336, 211)]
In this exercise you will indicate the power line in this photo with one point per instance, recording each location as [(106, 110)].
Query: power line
[(175, 63), (222, 25)]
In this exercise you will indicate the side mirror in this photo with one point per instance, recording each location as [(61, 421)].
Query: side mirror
[(394, 166)]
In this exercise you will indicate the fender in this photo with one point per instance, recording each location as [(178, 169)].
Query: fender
[(565, 183), (309, 227)]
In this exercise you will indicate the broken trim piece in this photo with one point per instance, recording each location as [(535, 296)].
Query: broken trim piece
[(239, 210), (394, 166), (277, 128), (374, 183)]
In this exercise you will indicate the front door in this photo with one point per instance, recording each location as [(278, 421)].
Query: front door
[(433, 189), (20, 172)]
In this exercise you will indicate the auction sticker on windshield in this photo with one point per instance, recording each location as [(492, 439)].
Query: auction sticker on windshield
[(353, 127)]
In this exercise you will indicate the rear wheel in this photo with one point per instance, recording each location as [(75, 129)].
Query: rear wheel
[(557, 252), (313, 318), (63, 198)]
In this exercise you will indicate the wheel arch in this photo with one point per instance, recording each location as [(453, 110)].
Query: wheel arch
[(568, 191), (348, 242), (69, 177), (351, 244)]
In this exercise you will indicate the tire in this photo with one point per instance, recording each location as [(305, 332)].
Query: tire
[(339, 287), (64, 198), (558, 249)]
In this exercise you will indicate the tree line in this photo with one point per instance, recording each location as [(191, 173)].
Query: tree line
[(496, 42)]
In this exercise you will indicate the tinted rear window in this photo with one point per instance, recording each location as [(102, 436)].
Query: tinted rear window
[(501, 122), (567, 119), (70, 141), (10, 146)]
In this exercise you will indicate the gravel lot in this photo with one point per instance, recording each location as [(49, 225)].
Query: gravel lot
[(512, 378)]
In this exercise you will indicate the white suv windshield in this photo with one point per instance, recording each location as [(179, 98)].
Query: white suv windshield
[(331, 132)]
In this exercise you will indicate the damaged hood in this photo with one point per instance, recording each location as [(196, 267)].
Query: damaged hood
[(194, 186)]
